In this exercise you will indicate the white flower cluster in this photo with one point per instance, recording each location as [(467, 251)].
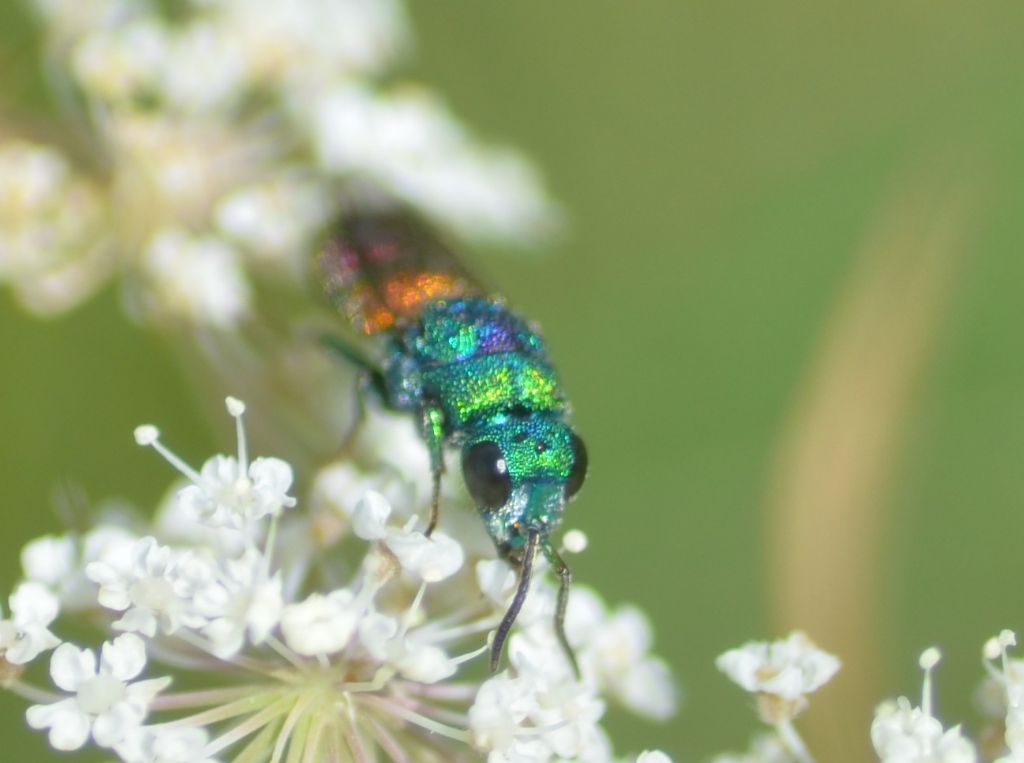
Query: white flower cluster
[(784, 672), (902, 733), (1004, 691), (307, 647), (781, 674), (225, 138)]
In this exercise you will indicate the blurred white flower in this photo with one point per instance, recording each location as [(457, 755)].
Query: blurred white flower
[(225, 140), (614, 648), (118, 63), (59, 562), (902, 733), (1004, 692), (789, 668), (106, 703), (65, 18), (408, 144), (53, 246), (307, 44), (26, 634), (200, 280), (275, 218), (49, 559)]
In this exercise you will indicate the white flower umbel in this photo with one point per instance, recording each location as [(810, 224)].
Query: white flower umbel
[(106, 703), (902, 733), (226, 140), (781, 673), (315, 651)]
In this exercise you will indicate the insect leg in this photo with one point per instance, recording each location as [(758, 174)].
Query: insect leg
[(433, 433), (564, 583), (372, 376), (525, 573)]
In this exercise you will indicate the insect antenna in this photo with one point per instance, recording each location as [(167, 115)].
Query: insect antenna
[(564, 583), (525, 574)]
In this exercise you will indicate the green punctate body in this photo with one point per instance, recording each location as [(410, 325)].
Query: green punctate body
[(487, 373)]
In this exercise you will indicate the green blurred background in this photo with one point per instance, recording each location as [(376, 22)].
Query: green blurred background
[(743, 182)]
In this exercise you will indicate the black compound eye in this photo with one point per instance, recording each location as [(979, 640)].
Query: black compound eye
[(579, 467), (486, 475)]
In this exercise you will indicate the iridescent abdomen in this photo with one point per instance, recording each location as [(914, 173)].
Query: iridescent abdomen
[(474, 359)]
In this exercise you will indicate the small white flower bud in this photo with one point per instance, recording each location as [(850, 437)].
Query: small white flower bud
[(235, 406), (146, 434), (575, 541), (992, 649), (929, 658)]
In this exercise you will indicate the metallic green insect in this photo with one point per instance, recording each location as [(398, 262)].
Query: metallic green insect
[(476, 376)]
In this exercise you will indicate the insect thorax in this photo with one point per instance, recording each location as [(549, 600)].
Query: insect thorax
[(474, 359)]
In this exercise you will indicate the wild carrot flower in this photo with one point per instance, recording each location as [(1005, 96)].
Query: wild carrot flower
[(222, 139), (362, 643)]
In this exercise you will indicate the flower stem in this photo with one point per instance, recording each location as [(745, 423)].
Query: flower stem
[(207, 698), (33, 693), (224, 712), (791, 739), (250, 725), (290, 723), (459, 735)]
